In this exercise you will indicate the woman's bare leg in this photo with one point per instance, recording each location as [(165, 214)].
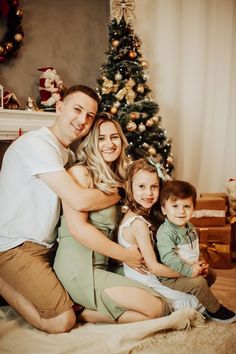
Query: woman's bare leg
[(59, 324), (141, 304)]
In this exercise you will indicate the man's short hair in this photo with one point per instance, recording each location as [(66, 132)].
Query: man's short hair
[(82, 88)]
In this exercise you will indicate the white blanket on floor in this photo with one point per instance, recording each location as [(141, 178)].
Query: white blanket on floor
[(17, 336)]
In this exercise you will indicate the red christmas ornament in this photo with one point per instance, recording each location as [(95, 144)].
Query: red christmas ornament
[(133, 115), (132, 55)]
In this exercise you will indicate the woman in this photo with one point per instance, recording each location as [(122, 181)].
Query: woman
[(106, 296)]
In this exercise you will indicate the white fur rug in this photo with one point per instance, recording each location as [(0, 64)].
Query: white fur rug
[(178, 333), (213, 339)]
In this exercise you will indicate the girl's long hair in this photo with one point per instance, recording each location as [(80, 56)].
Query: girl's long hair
[(155, 216), (105, 177)]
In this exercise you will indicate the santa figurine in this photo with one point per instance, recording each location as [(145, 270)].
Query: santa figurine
[(50, 88)]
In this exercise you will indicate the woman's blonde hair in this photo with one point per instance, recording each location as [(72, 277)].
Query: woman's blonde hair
[(105, 177)]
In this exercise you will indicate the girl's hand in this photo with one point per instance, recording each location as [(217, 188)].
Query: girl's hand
[(132, 257)]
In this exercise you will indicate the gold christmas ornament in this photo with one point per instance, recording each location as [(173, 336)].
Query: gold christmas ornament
[(1, 49), (131, 126), (18, 37), (132, 54), (149, 122), (152, 151), (170, 159), (141, 128), (155, 119), (145, 146), (115, 43), (113, 110), (144, 63), (122, 8), (127, 92)]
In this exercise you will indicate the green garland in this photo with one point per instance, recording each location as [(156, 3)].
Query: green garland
[(12, 39)]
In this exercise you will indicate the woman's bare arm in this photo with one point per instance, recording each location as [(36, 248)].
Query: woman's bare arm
[(90, 236)]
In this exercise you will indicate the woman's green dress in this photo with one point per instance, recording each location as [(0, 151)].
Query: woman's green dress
[(84, 273)]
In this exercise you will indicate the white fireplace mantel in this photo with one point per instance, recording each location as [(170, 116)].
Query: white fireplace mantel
[(12, 121)]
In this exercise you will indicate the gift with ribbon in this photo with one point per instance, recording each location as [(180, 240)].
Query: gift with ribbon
[(215, 246)]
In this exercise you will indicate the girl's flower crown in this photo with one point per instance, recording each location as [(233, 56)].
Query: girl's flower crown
[(161, 171)]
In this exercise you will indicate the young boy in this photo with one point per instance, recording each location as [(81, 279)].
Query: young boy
[(178, 246)]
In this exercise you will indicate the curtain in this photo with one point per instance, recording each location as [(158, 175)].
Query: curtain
[(190, 47)]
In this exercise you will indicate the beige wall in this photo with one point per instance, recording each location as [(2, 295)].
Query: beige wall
[(70, 35)]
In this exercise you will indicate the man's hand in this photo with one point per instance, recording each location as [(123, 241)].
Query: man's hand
[(132, 257)]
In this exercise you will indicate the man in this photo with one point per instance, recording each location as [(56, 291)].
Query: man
[(33, 179)]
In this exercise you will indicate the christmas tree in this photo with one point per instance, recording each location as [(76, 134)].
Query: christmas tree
[(125, 94)]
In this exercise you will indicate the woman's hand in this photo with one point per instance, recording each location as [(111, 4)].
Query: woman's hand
[(132, 257)]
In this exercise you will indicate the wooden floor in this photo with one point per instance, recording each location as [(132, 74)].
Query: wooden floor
[(225, 287)]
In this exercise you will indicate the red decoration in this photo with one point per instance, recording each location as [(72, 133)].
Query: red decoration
[(51, 88)]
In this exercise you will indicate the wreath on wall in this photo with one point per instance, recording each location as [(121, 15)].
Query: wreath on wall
[(12, 15)]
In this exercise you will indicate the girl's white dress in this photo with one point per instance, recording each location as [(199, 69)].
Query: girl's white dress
[(177, 299)]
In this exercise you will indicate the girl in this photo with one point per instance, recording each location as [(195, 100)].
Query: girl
[(106, 296), (139, 224)]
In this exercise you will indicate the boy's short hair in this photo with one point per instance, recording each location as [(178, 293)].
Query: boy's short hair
[(178, 190)]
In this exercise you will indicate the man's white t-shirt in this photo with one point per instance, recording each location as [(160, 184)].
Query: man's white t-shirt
[(29, 209)]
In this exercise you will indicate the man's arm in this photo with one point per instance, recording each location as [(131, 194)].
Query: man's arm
[(63, 184)]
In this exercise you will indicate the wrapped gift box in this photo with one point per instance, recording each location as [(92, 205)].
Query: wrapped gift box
[(233, 239), (218, 195), (215, 245), (215, 195), (209, 211)]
